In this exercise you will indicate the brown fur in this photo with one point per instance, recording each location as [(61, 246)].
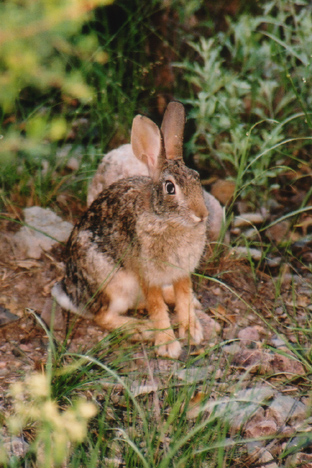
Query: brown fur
[(136, 238)]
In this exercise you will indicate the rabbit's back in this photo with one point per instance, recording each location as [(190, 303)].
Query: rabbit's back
[(109, 225), (119, 163)]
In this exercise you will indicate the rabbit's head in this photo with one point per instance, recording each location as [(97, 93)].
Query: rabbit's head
[(176, 189)]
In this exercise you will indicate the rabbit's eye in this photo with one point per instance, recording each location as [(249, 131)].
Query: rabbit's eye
[(170, 188)]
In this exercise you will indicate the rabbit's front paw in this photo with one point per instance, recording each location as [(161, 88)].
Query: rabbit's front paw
[(167, 345), (194, 328)]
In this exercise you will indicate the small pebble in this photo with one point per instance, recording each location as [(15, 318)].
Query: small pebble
[(247, 219)]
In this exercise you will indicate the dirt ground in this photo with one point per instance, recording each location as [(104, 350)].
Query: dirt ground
[(250, 310), (235, 298)]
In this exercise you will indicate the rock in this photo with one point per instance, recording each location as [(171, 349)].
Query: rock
[(67, 151), (223, 190), (211, 328), (287, 364), (258, 416), (247, 404), (302, 244), (298, 443), (279, 343), (3, 371), (262, 428), (286, 409), (266, 460), (73, 164), (231, 349), (247, 219), (195, 374), (15, 446), (243, 406), (52, 315), (273, 262), (236, 232), (264, 362), (255, 254), (302, 460), (257, 394), (44, 230), (248, 335), (6, 316), (279, 231), (251, 234), (256, 360), (253, 448)]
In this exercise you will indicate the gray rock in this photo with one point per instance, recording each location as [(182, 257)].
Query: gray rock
[(251, 233), (52, 315), (248, 402), (263, 428), (6, 316), (44, 229), (248, 335), (248, 219), (255, 254), (253, 448), (279, 343), (238, 409), (257, 394), (195, 374), (231, 349), (286, 409), (266, 460), (273, 262), (15, 446)]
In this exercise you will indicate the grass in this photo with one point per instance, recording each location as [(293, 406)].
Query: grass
[(148, 415)]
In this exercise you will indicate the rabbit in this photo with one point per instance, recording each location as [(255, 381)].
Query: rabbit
[(121, 163), (138, 236)]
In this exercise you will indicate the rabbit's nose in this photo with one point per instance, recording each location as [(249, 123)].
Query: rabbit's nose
[(200, 213)]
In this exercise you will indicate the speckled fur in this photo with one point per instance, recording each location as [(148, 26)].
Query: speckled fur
[(134, 239), (121, 163)]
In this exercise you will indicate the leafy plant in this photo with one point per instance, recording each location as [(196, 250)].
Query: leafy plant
[(252, 92)]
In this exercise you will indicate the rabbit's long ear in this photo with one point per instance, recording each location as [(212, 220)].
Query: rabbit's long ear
[(172, 129), (147, 144)]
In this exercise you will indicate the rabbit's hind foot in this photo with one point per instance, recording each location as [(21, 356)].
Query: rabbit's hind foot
[(140, 330)]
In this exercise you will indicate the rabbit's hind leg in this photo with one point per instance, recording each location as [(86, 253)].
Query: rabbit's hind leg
[(185, 309), (121, 294), (139, 330)]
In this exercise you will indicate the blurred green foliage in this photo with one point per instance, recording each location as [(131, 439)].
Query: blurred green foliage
[(71, 76), (42, 48)]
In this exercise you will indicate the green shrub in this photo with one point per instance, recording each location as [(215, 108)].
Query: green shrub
[(252, 91)]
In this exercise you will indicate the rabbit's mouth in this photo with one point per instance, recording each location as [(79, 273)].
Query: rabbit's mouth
[(190, 221), (198, 219)]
